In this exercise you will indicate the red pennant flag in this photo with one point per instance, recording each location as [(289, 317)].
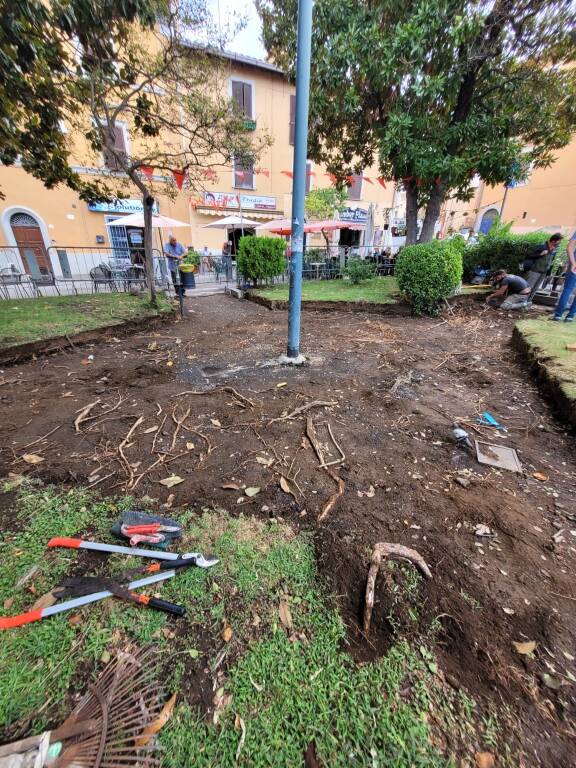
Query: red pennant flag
[(310, 173), (368, 179), (350, 181), (332, 178), (288, 173), (263, 172), (179, 177), (148, 171), (381, 181)]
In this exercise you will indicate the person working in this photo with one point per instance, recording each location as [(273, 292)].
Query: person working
[(569, 286), (513, 292), (174, 251), (539, 261)]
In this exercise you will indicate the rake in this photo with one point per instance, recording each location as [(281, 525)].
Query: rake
[(108, 727)]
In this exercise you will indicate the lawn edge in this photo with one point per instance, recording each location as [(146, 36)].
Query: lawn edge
[(392, 309), (18, 353), (551, 385)]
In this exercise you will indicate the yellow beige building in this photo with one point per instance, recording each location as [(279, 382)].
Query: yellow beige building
[(43, 230)]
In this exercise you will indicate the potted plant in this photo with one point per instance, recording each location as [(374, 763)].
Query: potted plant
[(188, 266)]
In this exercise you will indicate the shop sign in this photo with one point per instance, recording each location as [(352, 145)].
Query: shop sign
[(233, 200), (354, 214), (121, 206)]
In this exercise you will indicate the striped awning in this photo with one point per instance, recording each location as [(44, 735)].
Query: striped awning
[(210, 211)]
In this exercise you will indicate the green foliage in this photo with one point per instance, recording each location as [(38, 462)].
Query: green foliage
[(428, 273), (358, 270), (434, 92), (260, 258), (500, 249), (325, 203), (191, 257)]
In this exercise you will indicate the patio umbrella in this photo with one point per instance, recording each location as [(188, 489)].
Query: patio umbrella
[(284, 226), (158, 221), (232, 222), (277, 227)]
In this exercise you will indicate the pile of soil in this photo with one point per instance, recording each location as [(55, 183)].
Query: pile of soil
[(393, 386)]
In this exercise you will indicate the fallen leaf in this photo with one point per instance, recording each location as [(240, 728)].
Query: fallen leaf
[(67, 394), (551, 682), (169, 364), (171, 481), (193, 653), (251, 491), (369, 493), (568, 656), (540, 476), (231, 487), (484, 760), (264, 460), (44, 601), (525, 649), (221, 703), (227, 633), (105, 658), (216, 422), (74, 620), (32, 458), (482, 530), (240, 726), (258, 687), (150, 429), (285, 485), (281, 384), (156, 725), (189, 446), (15, 480), (8, 603), (509, 611), (284, 612)]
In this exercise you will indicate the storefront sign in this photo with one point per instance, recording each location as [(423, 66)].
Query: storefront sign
[(121, 206), (354, 214), (232, 200)]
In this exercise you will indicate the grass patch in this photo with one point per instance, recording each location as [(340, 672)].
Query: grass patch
[(548, 341), (23, 320), (290, 686), (378, 290)]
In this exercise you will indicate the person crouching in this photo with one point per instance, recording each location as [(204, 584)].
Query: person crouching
[(512, 292)]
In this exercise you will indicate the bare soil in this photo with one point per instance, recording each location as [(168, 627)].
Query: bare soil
[(397, 384)]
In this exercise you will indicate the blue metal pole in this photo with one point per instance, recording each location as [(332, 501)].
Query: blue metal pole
[(299, 172)]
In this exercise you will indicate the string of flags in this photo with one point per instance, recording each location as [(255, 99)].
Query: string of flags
[(211, 175)]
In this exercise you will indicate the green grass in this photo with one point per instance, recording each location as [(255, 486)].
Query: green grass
[(378, 290), (549, 341), (290, 687), (23, 320)]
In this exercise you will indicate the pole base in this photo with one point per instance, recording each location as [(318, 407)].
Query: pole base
[(285, 360)]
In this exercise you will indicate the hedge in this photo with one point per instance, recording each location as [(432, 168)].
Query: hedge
[(260, 258), (501, 251), (429, 272)]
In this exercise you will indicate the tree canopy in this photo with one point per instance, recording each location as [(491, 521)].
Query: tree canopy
[(435, 91)]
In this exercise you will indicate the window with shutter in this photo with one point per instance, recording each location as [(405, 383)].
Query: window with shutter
[(355, 189), (292, 123), (242, 95), (243, 174), (111, 160)]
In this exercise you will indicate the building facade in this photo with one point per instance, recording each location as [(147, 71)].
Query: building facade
[(50, 224)]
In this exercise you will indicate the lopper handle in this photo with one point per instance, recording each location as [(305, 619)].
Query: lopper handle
[(63, 541), (8, 622), (181, 562), (162, 605)]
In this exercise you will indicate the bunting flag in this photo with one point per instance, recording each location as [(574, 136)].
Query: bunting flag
[(288, 173), (350, 181), (381, 181), (148, 171), (332, 177), (263, 172), (368, 179), (179, 177), (310, 173)]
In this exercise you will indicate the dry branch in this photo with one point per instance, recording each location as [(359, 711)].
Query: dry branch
[(329, 506), (122, 445), (394, 552), (83, 413), (243, 401), (179, 423), (303, 408)]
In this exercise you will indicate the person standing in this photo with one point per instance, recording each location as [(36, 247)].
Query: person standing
[(569, 286), (539, 261), (174, 252), (227, 259)]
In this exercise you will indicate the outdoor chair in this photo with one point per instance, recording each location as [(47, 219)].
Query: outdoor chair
[(101, 276)]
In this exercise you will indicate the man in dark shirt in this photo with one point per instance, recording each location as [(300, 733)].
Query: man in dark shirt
[(539, 261), (513, 292)]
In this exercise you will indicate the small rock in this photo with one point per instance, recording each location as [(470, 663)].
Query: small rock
[(463, 482)]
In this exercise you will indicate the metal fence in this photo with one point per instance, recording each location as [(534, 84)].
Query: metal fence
[(330, 262)]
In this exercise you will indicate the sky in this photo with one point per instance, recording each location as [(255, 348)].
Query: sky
[(247, 41)]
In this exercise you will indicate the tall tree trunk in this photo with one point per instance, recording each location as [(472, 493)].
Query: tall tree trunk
[(148, 201), (432, 214), (411, 214)]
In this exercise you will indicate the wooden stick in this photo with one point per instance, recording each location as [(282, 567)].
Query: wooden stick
[(392, 551), (179, 423), (303, 408), (243, 400), (124, 442), (83, 413), (39, 440), (330, 504)]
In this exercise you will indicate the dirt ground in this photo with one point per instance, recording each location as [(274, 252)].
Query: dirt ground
[(391, 388)]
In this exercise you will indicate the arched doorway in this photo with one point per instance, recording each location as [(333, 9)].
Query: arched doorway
[(30, 243), (487, 220)]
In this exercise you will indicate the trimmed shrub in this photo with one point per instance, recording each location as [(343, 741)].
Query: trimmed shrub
[(260, 258), (428, 273), (501, 250), (358, 270)]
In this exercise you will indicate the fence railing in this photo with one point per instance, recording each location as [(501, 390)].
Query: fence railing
[(330, 262), (60, 270)]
